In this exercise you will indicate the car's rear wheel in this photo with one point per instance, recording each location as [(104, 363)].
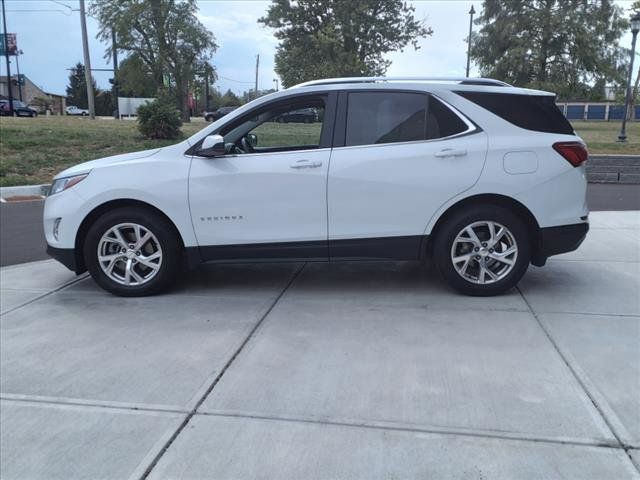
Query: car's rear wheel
[(132, 252), (483, 250)]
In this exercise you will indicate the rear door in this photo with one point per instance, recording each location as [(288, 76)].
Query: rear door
[(399, 156)]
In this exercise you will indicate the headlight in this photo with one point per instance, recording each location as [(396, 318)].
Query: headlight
[(61, 184)]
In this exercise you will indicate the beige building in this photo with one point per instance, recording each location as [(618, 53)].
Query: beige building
[(33, 95)]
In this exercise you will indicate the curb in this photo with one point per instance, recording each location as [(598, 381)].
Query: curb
[(6, 193), (614, 169)]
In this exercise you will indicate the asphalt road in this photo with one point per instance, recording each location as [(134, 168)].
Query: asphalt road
[(22, 236)]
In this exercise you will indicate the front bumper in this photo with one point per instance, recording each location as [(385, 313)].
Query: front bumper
[(66, 256), (557, 240)]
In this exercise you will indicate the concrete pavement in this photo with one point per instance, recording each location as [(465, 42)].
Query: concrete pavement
[(348, 370), (22, 237)]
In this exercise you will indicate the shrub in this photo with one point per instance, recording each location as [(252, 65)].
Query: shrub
[(159, 119)]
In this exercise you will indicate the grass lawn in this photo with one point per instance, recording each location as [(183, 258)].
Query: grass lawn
[(32, 151), (601, 137)]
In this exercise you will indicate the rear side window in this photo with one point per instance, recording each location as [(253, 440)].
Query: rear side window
[(532, 112), (377, 117), (391, 117), (441, 121)]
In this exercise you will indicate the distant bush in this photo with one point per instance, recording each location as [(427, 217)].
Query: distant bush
[(159, 119)]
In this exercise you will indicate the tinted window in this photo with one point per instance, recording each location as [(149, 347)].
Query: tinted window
[(533, 112), (442, 122), (381, 117)]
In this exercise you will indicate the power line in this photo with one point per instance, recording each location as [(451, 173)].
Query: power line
[(42, 10), (232, 80), (63, 4)]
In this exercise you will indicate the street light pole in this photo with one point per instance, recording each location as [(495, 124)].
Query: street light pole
[(635, 28), (471, 12)]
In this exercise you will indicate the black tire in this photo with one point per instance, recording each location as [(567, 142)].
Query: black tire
[(447, 233), (166, 235)]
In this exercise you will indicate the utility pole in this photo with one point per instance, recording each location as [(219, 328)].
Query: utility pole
[(114, 90), (6, 56), (19, 52), (87, 62), (471, 12), (257, 65), (276, 82)]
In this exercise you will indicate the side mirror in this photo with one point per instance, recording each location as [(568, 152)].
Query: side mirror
[(212, 146)]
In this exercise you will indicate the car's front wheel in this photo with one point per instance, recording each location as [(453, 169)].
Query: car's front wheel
[(132, 252), (483, 250)]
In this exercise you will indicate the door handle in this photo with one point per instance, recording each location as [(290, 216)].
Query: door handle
[(305, 164), (450, 152)]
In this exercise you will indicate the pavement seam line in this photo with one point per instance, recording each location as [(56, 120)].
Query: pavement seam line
[(416, 429), (46, 294), (579, 379), (216, 380), (93, 404)]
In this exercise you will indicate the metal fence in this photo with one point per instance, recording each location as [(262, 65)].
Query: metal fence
[(596, 111)]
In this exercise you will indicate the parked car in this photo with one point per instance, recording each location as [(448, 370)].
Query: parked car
[(483, 177), (20, 109), (218, 114), (73, 110), (304, 115)]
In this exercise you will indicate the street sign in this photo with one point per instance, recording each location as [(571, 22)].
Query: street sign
[(12, 44)]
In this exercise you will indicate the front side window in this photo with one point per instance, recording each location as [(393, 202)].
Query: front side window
[(294, 125), (391, 117)]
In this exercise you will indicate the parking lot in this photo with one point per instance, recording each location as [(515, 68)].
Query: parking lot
[(346, 370)]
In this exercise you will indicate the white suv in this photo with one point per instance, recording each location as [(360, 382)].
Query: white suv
[(484, 177)]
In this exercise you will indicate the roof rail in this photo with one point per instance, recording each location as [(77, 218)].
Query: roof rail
[(460, 80)]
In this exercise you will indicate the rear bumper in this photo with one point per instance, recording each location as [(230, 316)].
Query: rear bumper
[(66, 256), (557, 240)]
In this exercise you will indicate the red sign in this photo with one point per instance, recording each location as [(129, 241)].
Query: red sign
[(12, 44)]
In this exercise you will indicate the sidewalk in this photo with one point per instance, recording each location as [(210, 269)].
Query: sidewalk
[(317, 371)]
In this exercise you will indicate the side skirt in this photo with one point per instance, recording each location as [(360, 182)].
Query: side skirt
[(381, 248)]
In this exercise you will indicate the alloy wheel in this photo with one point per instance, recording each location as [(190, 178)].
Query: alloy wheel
[(484, 252), (129, 254)]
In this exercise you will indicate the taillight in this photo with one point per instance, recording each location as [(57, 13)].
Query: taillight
[(573, 152)]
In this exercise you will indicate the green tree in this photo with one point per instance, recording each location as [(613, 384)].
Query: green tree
[(77, 88), (104, 103), (249, 95), (335, 38), (230, 99), (135, 79), (165, 34), (568, 46)]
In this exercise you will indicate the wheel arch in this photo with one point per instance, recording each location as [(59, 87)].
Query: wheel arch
[(533, 227), (94, 214)]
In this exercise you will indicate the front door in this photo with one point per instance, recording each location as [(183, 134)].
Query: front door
[(266, 198)]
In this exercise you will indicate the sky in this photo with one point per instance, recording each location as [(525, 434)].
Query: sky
[(48, 32)]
